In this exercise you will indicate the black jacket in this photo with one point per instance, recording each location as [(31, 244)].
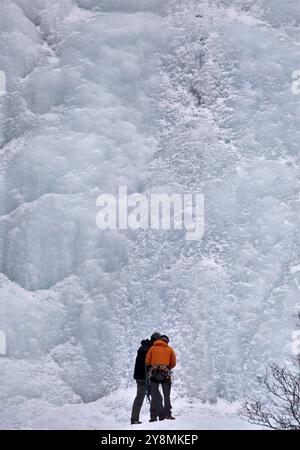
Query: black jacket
[(139, 368)]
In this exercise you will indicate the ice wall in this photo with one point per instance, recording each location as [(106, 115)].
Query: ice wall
[(75, 124), (159, 96)]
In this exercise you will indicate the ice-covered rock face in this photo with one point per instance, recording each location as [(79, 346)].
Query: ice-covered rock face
[(84, 107), (159, 96), (155, 6), (74, 123)]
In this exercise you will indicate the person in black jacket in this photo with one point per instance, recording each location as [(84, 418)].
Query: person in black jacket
[(140, 377)]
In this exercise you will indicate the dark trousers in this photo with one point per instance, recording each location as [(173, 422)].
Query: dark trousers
[(155, 394), (139, 399)]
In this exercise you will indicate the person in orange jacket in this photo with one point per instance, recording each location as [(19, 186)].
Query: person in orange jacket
[(160, 359)]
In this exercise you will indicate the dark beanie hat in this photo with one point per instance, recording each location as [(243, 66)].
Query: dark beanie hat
[(165, 338), (156, 335)]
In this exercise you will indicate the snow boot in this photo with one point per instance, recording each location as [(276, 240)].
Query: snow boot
[(153, 420), (135, 422), (170, 418)]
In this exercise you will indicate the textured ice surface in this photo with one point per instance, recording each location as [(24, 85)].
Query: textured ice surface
[(171, 96)]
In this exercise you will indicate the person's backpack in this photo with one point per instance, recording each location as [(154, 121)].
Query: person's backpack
[(160, 374)]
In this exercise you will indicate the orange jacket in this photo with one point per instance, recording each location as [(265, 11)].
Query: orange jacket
[(161, 354)]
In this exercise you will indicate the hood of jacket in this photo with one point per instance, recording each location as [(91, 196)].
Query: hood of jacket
[(162, 343), (146, 343)]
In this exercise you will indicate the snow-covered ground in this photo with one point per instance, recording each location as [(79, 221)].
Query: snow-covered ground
[(113, 412)]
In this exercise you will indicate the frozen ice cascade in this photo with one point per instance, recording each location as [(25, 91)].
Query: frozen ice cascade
[(160, 96)]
